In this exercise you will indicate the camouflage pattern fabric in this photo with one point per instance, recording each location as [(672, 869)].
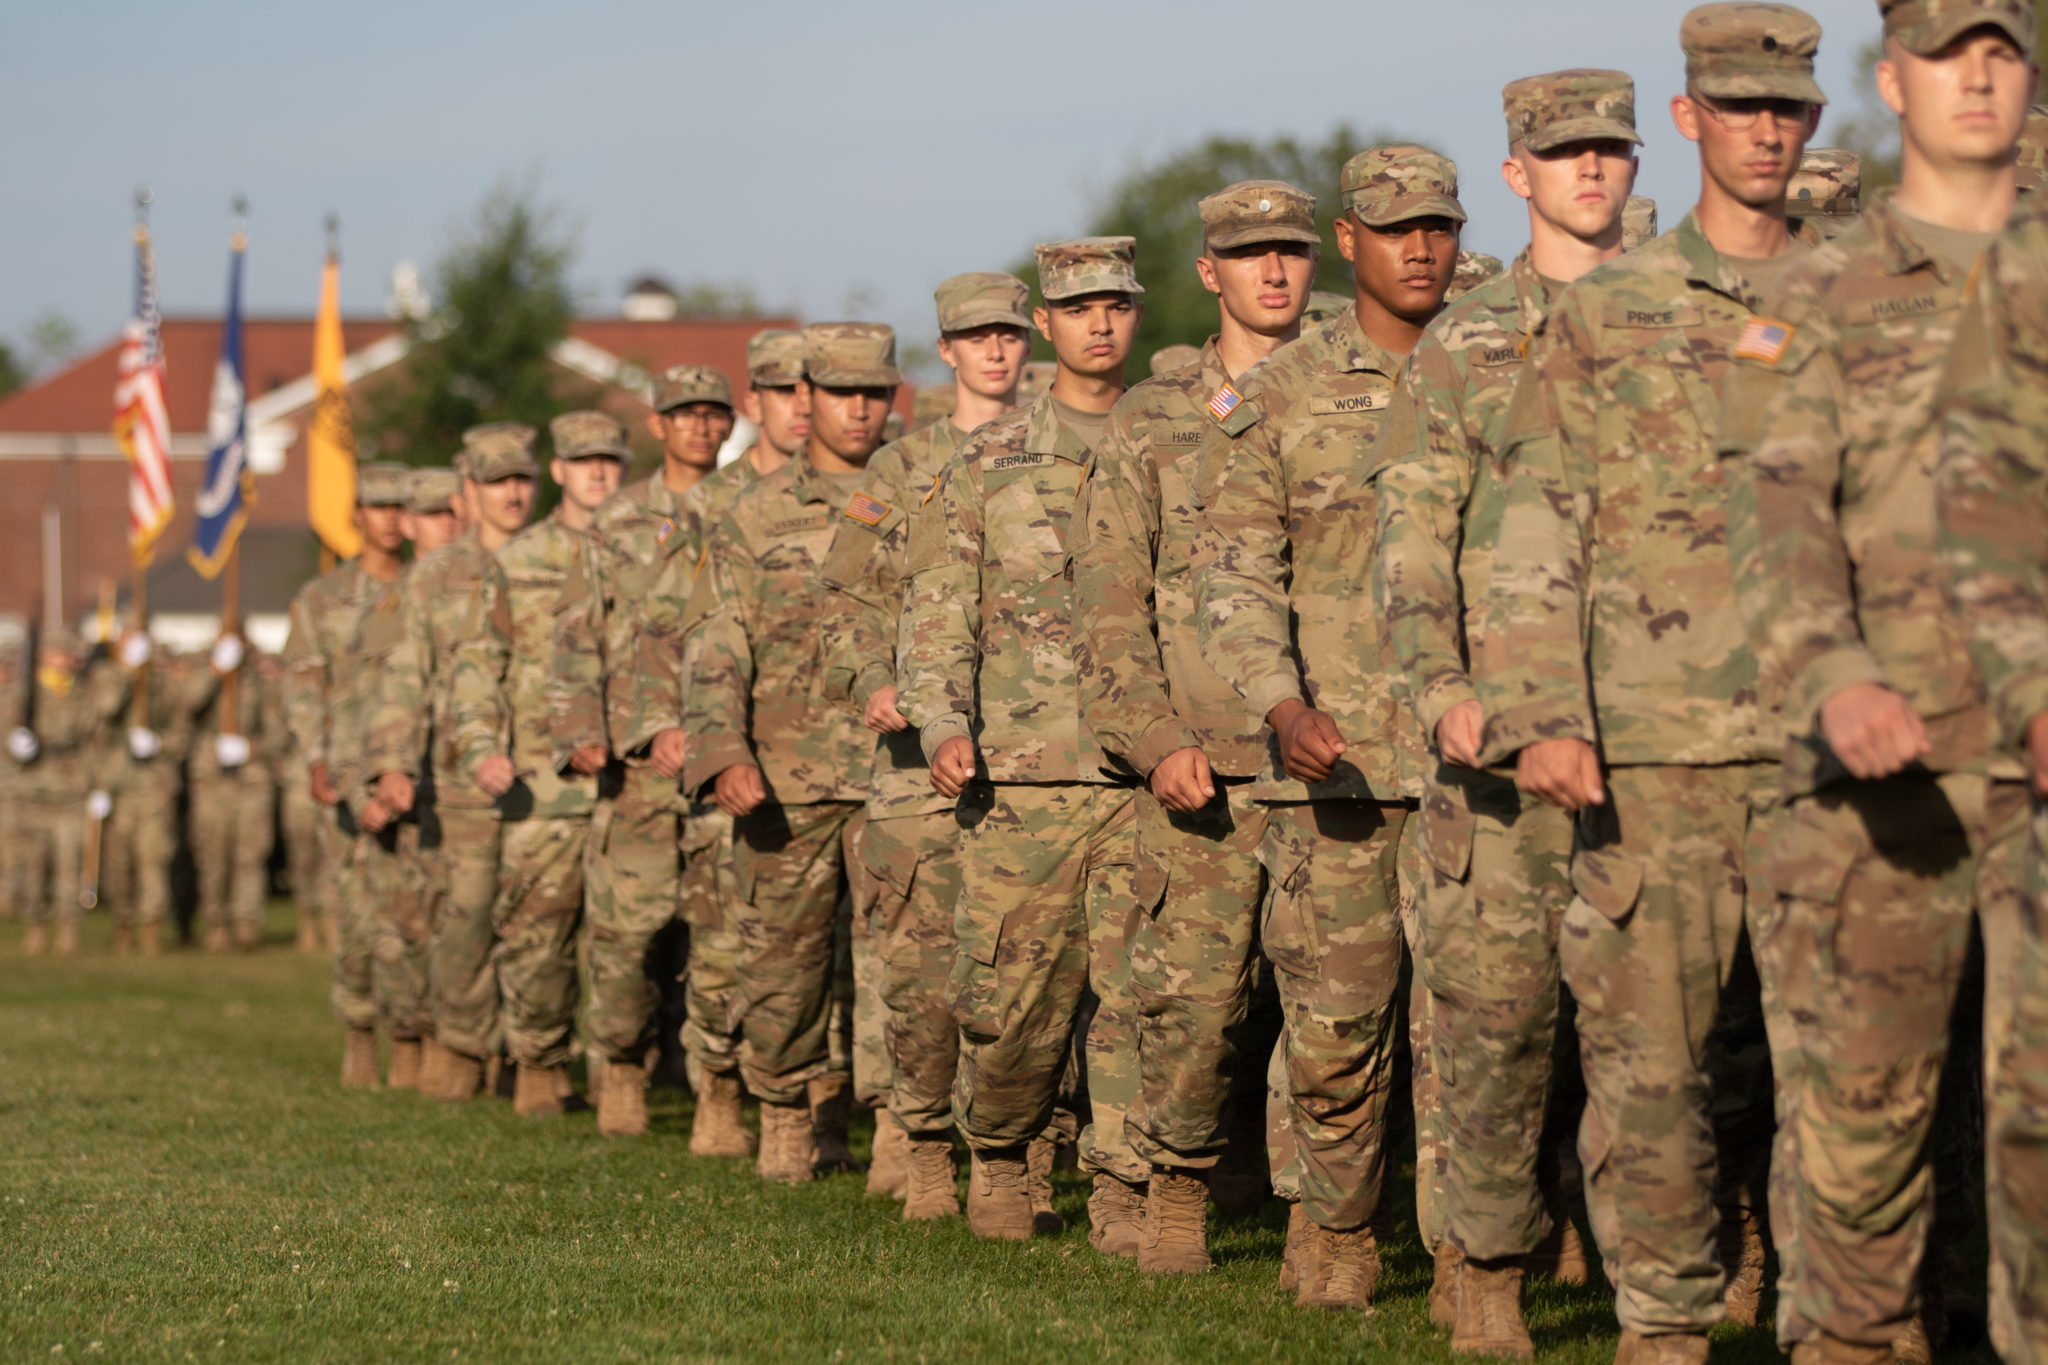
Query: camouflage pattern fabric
[(460, 858), (912, 863), (539, 905), (709, 896), (369, 876), (230, 816), (140, 837), (631, 888)]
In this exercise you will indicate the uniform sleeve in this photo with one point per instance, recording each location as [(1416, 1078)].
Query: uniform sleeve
[(1243, 564), (478, 706), (1428, 463), (718, 698), (938, 635), (863, 587), (1529, 666), (395, 740), (305, 681), (576, 673), (1125, 694)]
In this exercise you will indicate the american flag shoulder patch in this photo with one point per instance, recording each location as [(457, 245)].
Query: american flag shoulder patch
[(867, 510), (1765, 340), (668, 528), (1224, 402)]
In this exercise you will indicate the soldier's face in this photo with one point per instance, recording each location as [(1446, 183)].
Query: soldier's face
[(1965, 105), (432, 530), (782, 414), (1404, 267), (589, 481), (1263, 285), (693, 433), (383, 528), (1749, 148), (987, 360), (848, 422), (1580, 187), (503, 504), (1093, 333)]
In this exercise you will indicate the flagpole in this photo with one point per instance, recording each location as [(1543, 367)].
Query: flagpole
[(327, 557), (231, 576), (138, 564)]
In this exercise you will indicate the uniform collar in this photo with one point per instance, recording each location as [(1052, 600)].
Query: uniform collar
[(659, 499), (1531, 298), (1214, 376), (1358, 352), (1902, 251), (1708, 267), (1046, 434), (808, 483)]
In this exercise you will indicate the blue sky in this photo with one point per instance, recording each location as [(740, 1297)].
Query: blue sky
[(812, 149)]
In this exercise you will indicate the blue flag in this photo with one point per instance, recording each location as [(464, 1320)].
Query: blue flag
[(225, 497)]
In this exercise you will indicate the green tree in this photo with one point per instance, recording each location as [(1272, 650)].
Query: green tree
[(1155, 203), (13, 374), (718, 299)]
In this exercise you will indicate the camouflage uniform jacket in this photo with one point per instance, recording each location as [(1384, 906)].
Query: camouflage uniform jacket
[(255, 712), (1283, 573), (1146, 690), (1992, 482), (116, 770), (864, 598), (1833, 531), (411, 730), (376, 638), (323, 621), (498, 693), (756, 646), (1612, 614), (68, 715)]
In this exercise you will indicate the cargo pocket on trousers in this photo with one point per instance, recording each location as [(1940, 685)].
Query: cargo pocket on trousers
[(1446, 833), (1289, 935), (1814, 848), (980, 931), (1607, 880)]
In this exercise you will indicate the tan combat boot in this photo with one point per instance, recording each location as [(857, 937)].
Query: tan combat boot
[(1116, 1216), (1672, 1348), (124, 940), (537, 1091), (216, 938), (152, 938), (929, 1191), (1040, 1155), (67, 938), (1826, 1350), (1175, 1239), (622, 1099), (405, 1064), (831, 1109), (461, 1078), (998, 1204), (1742, 1256), (309, 933), (889, 1172), (1562, 1255), (1489, 1318), (1443, 1285), (1298, 1250), (716, 1130), (1346, 1271), (249, 937), (789, 1144), (359, 1060), (36, 941)]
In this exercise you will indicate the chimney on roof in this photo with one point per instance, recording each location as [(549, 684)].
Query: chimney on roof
[(650, 299)]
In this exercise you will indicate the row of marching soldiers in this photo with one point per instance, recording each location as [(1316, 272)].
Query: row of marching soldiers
[(1618, 686)]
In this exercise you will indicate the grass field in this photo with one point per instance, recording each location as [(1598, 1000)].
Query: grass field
[(181, 1179)]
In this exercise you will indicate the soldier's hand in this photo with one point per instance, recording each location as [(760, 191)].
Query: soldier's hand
[(395, 790), (321, 783), (1183, 781), (590, 759), (668, 753), (1873, 730), (496, 775), (881, 714), (1564, 772), (739, 790), (1458, 734), (1309, 743), (2037, 751), (953, 766)]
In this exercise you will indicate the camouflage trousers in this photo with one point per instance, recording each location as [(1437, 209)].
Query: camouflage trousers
[(50, 842), (1494, 887), (367, 877), (633, 871), (399, 942), (913, 869), (790, 866), (859, 1030), (1651, 937), (2012, 905), (1046, 900), (231, 837), (304, 822), (138, 846), (460, 859), (709, 896), (535, 918)]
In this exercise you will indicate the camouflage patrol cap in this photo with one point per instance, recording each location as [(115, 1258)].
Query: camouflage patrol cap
[(1253, 211), (851, 355), (432, 490), (1088, 265), (679, 385), (1474, 268), (1829, 183), (1581, 105), (934, 401), (1324, 305), (1638, 221), (1751, 51), (501, 450), (982, 298), (459, 462), (1400, 181), (587, 434), (2032, 153), (775, 358), (382, 483), (1169, 358), (62, 640), (1925, 27), (1036, 381)]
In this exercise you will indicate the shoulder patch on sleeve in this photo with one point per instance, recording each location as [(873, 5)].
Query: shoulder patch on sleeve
[(1232, 411), (1224, 401), (867, 510), (1765, 340)]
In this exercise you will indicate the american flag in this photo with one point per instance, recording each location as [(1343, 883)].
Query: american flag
[(140, 422)]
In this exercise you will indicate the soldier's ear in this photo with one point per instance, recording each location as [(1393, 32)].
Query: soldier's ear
[(657, 426)]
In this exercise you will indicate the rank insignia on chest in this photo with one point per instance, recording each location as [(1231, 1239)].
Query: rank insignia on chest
[(1224, 402), (668, 528), (869, 511), (1764, 339)]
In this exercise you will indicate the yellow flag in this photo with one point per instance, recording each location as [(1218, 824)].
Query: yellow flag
[(331, 438)]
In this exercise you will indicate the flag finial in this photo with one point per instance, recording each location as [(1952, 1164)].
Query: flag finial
[(143, 199), (240, 209), (333, 236)]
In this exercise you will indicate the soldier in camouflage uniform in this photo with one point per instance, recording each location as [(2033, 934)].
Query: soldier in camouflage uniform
[(908, 848), (1612, 638), (1889, 744), (1828, 191), (499, 706), (141, 766), (787, 765), (1991, 496), (986, 674), (2032, 153), (776, 401), (233, 794), (1638, 222), (1494, 886), (1153, 701), (299, 820), (318, 679), (64, 711), (1283, 605)]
